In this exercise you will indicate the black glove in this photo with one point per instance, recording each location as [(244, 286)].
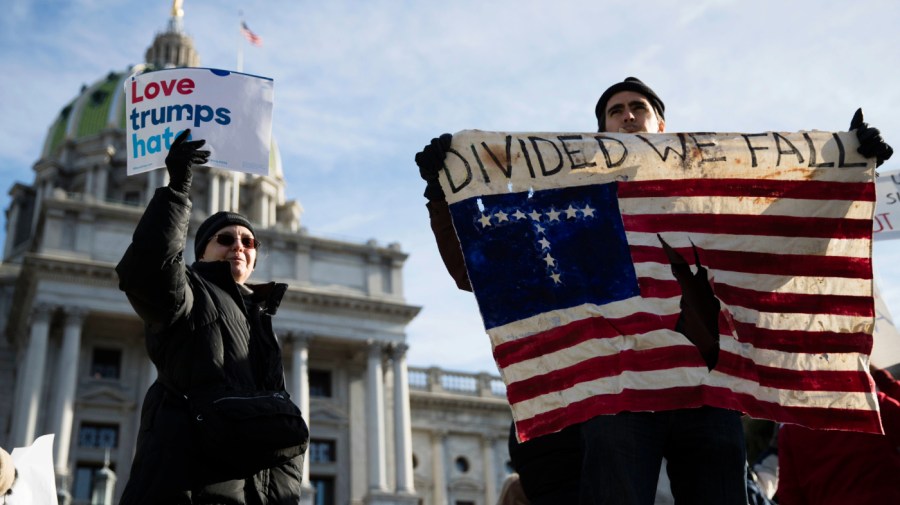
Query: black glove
[(182, 155), (430, 161), (871, 144)]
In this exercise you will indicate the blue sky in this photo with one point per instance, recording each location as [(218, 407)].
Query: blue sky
[(361, 86)]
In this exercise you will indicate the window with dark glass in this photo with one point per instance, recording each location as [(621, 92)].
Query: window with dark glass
[(324, 487), (98, 435), (462, 464), (322, 451), (320, 383), (83, 481), (106, 363), (133, 197)]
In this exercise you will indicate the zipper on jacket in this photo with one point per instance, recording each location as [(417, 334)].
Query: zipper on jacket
[(278, 396)]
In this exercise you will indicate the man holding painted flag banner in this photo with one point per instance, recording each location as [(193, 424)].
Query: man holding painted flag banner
[(652, 287)]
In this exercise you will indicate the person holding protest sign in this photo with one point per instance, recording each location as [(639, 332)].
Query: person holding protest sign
[(704, 447), (209, 334)]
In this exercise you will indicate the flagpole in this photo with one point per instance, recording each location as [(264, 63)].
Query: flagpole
[(240, 51)]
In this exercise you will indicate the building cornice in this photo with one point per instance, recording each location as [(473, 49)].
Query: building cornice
[(342, 301), (456, 401)]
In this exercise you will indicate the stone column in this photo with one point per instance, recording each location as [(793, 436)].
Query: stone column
[(439, 467), (31, 377), (12, 223), (213, 194), (263, 205), (38, 203), (89, 183), (235, 191), (375, 418), (490, 472), (402, 423), (66, 382), (226, 194), (101, 181), (273, 211), (300, 390)]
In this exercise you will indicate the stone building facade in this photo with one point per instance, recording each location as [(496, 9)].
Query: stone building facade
[(72, 360)]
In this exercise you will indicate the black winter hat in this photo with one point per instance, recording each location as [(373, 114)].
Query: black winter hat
[(215, 223), (629, 84)]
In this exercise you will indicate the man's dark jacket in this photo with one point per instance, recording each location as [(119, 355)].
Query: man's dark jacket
[(203, 331)]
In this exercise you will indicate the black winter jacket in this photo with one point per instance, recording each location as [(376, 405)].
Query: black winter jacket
[(202, 330)]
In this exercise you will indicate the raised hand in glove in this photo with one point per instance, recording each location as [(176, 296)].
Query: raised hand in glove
[(182, 156), (871, 144), (430, 161)]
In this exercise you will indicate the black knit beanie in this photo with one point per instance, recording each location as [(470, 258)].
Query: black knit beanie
[(629, 84), (215, 223)]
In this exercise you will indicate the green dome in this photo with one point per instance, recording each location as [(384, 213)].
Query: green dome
[(98, 107)]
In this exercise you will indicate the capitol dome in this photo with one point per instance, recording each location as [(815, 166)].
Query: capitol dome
[(83, 154)]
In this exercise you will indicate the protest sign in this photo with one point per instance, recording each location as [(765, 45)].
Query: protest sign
[(562, 238), (887, 209), (230, 110), (886, 338), (886, 349), (36, 479)]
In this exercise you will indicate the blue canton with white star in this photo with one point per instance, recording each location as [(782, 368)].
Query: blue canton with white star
[(553, 249)]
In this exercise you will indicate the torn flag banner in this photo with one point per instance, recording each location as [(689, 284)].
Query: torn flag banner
[(562, 237)]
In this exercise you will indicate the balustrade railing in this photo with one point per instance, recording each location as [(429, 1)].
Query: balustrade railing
[(471, 384)]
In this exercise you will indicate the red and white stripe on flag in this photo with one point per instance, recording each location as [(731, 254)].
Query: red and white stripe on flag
[(254, 39), (783, 222)]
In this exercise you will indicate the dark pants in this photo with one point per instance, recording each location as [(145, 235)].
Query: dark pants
[(704, 449)]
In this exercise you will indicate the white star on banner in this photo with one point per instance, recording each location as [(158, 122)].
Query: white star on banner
[(550, 261), (571, 213)]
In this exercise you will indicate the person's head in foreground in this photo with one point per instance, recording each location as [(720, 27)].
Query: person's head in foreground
[(228, 236), (630, 106)]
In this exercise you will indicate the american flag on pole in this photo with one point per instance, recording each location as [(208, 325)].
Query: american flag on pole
[(561, 238), (254, 39)]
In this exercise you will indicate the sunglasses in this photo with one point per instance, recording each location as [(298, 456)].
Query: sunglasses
[(227, 240)]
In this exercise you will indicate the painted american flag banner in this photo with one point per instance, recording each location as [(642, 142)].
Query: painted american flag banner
[(562, 238)]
